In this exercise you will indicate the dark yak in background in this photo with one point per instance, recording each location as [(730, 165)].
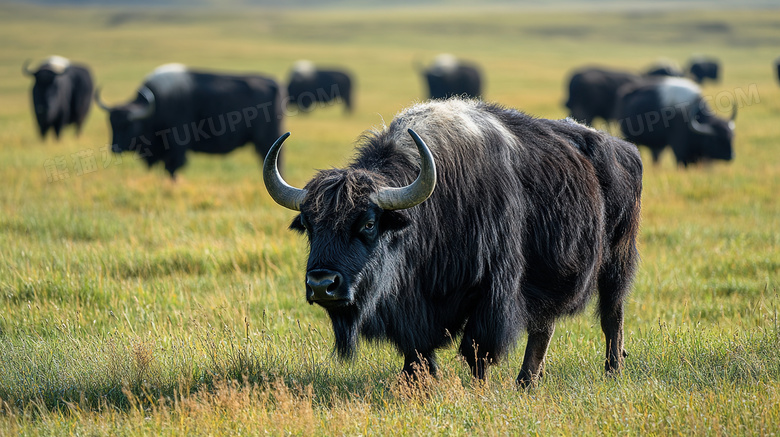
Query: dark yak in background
[(593, 92), (672, 112), (528, 218), (701, 69), (177, 110), (61, 94), (309, 85), (450, 77)]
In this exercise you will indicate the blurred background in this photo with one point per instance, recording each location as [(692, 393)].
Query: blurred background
[(96, 246)]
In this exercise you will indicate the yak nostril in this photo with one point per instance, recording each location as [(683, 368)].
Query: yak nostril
[(334, 285)]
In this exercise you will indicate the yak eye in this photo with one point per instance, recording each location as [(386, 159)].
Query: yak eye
[(369, 226)]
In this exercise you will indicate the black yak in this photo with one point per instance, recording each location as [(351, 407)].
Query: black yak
[(309, 85), (449, 77), (178, 109), (61, 94), (593, 92), (701, 68), (488, 223), (672, 112)]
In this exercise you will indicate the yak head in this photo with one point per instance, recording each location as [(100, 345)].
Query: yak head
[(51, 92), (712, 135), (350, 217), (130, 122)]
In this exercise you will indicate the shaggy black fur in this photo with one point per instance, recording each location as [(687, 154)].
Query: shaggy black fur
[(528, 219)]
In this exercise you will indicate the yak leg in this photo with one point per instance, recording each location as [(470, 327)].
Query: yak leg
[(612, 325), (484, 340), (533, 362), (420, 362), (476, 355), (614, 283)]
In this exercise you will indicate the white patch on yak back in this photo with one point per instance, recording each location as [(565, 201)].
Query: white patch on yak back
[(304, 69), (55, 63), (170, 78), (448, 124), (167, 68), (673, 91), (444, 63)]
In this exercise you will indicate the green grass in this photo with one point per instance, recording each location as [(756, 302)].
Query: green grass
[(133, 305)]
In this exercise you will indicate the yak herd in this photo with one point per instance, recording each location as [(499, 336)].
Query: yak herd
[(461, 219)]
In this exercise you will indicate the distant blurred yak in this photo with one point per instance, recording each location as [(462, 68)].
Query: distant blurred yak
[(448, 77), (178, 109), (593, 92), (701, 69), (61, 94), (672, 112), (309, 85)]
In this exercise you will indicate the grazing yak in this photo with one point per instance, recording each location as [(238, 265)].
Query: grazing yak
[(701, 69), (178, 109), (449, 77), (309, 85), (466, 219), (593, 92), (672, 112), (61, 95)]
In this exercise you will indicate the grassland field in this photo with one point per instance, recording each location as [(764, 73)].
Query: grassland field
[(133, 305)]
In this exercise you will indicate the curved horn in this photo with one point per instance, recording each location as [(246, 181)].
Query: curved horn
[(26, 70), (704, 129), (392, 198), (150, 107), (282, 193), (99, 101)]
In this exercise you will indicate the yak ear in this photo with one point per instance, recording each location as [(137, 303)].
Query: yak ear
[(394, 220), (297, 225)]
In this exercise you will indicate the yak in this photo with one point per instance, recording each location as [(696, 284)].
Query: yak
[(672, 112), (308, 85), (466, 219), (593, 91), (178, 109), (449, 77), (701, 68), (61, 94)]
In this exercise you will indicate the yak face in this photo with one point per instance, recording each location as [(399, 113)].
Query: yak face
[(49, 97), (351, 217), (716, 141), (346, 233), (349, 248), (131, 125), (127, 131), (711, 136)]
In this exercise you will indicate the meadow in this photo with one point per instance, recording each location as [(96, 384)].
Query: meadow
[(134, 305)]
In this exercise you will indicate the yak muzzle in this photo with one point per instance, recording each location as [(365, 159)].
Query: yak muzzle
[(326, 288)]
